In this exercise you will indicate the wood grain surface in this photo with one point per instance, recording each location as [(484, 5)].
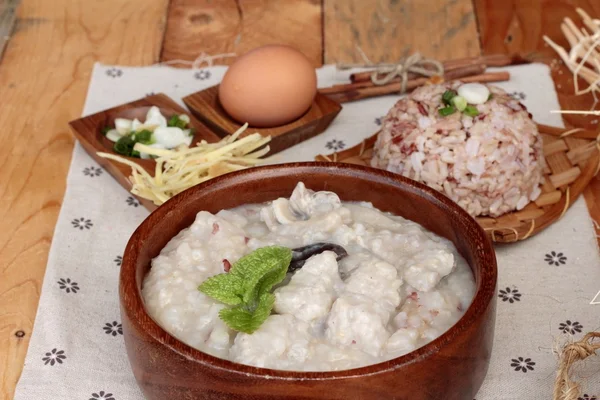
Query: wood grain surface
[(389, 30), (224, 26), (517, 27), (7, 21), (44, 77)]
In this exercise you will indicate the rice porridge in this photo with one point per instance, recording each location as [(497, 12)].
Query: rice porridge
[(398, 287)]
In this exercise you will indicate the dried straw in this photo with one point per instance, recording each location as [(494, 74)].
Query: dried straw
[(564, 387), (583, 59)]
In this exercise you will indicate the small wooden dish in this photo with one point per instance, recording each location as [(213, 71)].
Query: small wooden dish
[(572, 158), (88, 130), (206, 107), (452, 366)]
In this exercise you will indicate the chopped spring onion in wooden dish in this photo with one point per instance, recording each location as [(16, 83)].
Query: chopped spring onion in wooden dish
[(183, 167), (156, 132)]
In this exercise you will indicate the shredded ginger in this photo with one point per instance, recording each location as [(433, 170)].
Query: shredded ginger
[(181, 168)]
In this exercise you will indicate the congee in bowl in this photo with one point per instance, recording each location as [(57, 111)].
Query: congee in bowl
[(359, 286), (309, 281)]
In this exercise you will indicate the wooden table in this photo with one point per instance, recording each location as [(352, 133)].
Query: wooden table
[(46, 67)]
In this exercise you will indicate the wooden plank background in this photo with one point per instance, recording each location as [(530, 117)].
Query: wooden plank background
[(225, 26), (44, 77), (7, 20), (389, 30), (46, 69)]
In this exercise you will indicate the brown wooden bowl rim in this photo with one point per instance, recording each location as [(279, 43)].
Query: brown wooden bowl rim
[(133, 304)]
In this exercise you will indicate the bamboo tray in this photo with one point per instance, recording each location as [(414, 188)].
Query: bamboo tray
[(572, 160)]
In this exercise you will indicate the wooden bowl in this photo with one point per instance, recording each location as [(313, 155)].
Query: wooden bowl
[(452, 366)]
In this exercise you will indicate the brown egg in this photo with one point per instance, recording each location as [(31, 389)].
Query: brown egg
[(268, 86)]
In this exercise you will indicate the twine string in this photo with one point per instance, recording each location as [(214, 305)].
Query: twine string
[(203, 58), (415, 63), (499, 230), (385, 73), (567, 202), (564, 387), (530, 231)]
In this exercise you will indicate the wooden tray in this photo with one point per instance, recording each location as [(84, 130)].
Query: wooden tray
[(572, 158), (88, 130), (206, 107)]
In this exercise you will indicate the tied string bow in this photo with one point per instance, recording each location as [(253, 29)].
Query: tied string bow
[(416, 64)]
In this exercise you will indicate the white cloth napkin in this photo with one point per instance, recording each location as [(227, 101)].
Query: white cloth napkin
[(546, 284)]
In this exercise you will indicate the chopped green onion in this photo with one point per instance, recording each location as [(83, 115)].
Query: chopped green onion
[(124, 146), (491, 96), (448, 96), (447, 111), (471, 111), (191, 132), (144, 137), (105, 130), (177, 122), (459, 102)]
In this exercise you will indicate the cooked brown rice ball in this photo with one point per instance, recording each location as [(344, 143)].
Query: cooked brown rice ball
[(489, 164)]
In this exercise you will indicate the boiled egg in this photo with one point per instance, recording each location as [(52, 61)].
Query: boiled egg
[(269, 86)]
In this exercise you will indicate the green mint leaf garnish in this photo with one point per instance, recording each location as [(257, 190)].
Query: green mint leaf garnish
[(224, 288), (175, 121), (261, 269), (448, 96), (244, 320), (447, 111), (248, 286), (471, 111)]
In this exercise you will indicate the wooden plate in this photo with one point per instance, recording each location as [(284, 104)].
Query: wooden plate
[(88, 130), (572, 158), (206, 107)]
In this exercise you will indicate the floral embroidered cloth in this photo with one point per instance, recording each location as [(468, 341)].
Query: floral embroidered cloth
[(546, 284)]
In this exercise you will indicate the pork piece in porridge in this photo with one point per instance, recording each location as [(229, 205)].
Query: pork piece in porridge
[(381, 286)]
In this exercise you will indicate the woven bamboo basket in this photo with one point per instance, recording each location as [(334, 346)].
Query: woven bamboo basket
[(572, 160)]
